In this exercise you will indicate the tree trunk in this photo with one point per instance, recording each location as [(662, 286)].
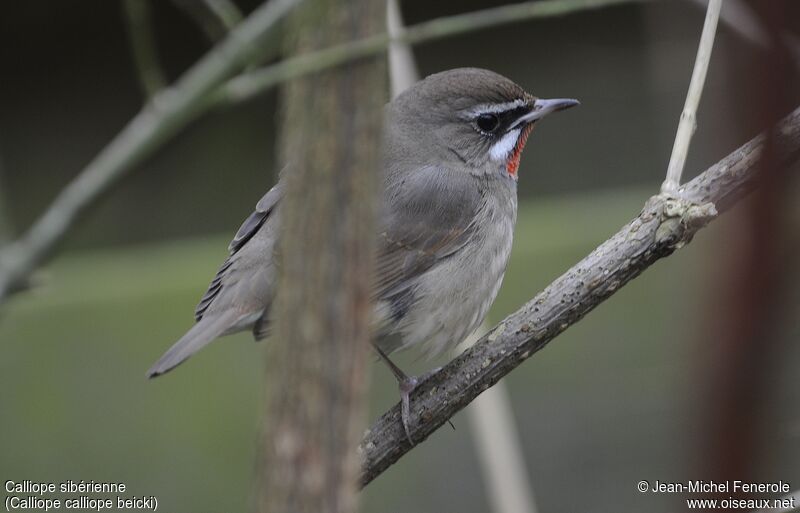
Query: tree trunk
[(317, 368)]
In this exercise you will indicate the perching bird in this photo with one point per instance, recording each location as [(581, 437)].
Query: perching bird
[(452, 146)]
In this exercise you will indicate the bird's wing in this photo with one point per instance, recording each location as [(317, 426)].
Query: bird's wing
[(265, 206), (429, 215), (251, 225), (240, 292)]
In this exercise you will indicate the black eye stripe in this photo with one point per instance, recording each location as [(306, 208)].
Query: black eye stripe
[(508, 117), (494, 122), (515, 114)]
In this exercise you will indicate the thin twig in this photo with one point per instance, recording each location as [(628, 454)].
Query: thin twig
[(403, 72), (499, 447), (175, 107), (161, 118), (214, 17), (688, 121), (249, 85), (139, 24), (664, 225), (226, 11)]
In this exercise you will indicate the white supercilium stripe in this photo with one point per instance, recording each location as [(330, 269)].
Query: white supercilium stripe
[(494, 108)]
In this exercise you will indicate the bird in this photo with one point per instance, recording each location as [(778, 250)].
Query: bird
[(451, 151)]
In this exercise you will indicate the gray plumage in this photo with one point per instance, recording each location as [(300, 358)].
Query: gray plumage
[(445, 226)]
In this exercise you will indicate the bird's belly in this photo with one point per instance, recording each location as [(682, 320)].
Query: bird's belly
[(453, 298)]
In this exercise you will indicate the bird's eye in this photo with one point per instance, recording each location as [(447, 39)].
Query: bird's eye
[(487, 122)]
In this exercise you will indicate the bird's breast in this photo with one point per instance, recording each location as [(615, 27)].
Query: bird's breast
[(453, 298)]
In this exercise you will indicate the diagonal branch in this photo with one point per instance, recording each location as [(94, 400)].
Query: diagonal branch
[(214, 17), (203, 87), (664, 225), (249, 85), (161, 118), (142, 38)]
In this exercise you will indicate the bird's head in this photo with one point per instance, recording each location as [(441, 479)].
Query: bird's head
[(467, 117)]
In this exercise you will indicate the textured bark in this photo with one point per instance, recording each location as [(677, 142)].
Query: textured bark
[(316, 373), (664, 225)]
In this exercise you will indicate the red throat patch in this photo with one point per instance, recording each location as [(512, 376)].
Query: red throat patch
[(513, 162)]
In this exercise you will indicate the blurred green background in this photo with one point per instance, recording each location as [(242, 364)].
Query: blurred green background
[(618, 398)]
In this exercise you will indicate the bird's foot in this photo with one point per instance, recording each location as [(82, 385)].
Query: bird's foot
[(407, 385)]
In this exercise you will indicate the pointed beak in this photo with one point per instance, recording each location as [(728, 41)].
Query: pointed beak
[(542, 108)]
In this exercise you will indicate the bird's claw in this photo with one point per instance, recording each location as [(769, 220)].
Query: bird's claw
[(407, 386)]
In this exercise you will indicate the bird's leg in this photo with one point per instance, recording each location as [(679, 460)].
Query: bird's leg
[(406, 384)]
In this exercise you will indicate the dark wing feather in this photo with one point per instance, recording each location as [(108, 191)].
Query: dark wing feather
[(251, 225), (212, 291), (256, 219), (430, 216)]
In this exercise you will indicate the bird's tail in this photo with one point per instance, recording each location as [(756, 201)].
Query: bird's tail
[(201, 334)]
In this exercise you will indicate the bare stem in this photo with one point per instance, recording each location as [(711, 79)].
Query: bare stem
[(688, 122), (403, 72), (142, 38), (214, 17), (226, 11), (249, 85), (199, 89), (664, 225)]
